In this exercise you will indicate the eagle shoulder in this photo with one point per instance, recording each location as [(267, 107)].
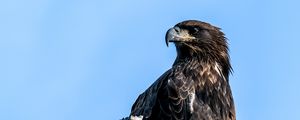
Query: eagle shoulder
[(144, 105)]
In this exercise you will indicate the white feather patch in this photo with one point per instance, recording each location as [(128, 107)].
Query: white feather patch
[(136, 117), (192, 99), (218, 69)]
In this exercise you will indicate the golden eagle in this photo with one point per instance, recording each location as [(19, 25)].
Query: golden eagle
[(196, 87)]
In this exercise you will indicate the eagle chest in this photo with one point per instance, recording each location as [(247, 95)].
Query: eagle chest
[(196, 75), (194, 83)]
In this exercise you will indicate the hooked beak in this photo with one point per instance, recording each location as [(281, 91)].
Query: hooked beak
[(176, 34), (170, 36)]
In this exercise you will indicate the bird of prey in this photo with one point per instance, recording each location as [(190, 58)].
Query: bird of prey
[(197, 85)]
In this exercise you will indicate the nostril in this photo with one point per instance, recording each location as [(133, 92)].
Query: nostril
[(177, 29)]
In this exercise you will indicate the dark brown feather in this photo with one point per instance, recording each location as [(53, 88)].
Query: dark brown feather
[(196, 87)]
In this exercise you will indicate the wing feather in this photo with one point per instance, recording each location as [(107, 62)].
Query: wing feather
[(146, 101)]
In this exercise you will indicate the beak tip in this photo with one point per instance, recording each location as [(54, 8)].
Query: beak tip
[(168, 35), (167, 42)]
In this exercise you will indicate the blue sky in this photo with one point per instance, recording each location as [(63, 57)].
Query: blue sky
[(89, 60)]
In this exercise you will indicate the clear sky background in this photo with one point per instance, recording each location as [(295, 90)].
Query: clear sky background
[(90, 59)]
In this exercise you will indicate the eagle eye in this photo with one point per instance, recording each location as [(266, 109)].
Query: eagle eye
[(194, 30)]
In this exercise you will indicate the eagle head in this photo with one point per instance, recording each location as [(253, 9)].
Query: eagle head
[(194, 37), (201, 40)]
